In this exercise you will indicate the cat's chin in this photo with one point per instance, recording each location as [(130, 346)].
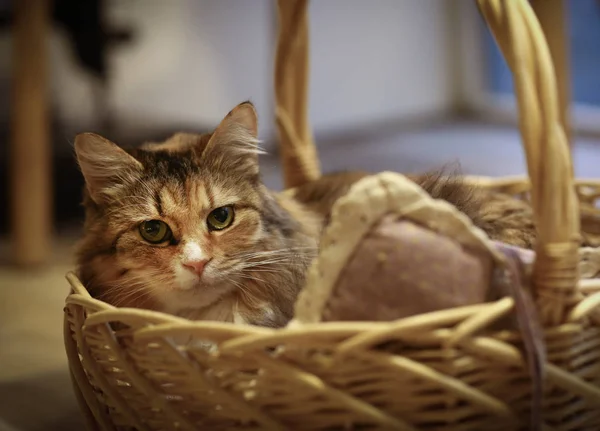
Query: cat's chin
[(187, 280), (193, 297)]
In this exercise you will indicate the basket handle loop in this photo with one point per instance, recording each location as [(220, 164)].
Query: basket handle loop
[(297, 149), (520, 38)]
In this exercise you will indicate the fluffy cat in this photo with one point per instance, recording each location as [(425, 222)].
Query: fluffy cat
[(186, 226)]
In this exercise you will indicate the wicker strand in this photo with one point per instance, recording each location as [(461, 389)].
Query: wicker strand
[(95, 417), (298, 153), (102, 381), (199, 379), (359, 406), (462, 390), (141, 382)]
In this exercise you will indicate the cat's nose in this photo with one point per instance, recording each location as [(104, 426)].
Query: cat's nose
[(196, 266)]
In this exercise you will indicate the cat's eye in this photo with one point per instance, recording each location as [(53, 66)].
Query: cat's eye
[(220, 218), (155, 231)]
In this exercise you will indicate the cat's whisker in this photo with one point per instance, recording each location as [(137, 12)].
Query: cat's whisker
[(266, 271), (283, 255), (260, 254), (134, 291), (297, 262), (269, 252), (131, 299), (280, 255), (253, 278), (240, 286)]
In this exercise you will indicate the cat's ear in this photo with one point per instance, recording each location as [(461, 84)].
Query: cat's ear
[(105, 166), (236, 137)]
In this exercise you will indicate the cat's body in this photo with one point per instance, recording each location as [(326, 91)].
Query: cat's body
[(500, 216), (186, 226)]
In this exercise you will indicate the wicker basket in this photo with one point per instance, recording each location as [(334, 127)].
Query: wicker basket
[(448, 370)]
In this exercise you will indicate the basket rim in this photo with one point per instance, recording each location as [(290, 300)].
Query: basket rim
[(157, 323)]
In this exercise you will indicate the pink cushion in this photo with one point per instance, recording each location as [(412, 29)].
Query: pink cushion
[(401, 269)]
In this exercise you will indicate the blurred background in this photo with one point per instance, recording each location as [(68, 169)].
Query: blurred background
[(405, 85)]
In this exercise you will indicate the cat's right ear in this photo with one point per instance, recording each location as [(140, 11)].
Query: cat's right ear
[(105, 166)]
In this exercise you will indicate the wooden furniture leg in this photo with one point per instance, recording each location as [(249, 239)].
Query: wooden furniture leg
[(30, 153)]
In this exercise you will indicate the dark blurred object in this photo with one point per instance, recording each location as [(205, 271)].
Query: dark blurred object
[(34, 128), (90, 36), (86, 28)]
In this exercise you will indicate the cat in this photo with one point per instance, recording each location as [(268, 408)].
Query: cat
[(502, 217), (187, 227)]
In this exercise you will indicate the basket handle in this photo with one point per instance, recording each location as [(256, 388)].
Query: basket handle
[(520, 38), (297, 150)]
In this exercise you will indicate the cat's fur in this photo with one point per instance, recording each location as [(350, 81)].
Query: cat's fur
[(501, 217), (257, 266)]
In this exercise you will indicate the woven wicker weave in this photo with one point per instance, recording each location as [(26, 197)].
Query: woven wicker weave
[(447, 370)]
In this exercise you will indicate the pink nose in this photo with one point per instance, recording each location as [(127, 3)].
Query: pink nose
[(196, 266)]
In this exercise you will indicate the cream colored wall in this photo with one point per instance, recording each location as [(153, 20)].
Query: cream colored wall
[(195, 59), (381, 59)]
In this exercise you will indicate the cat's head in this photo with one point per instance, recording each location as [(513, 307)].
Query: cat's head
[(172, 223)]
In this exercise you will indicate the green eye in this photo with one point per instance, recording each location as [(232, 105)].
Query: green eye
[(155, 231), (220, 218)]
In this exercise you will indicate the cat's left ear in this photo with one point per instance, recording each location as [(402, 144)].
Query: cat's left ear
[(236, 137)]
